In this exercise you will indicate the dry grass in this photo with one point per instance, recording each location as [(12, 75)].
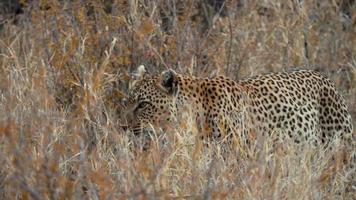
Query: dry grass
[(65, 65)]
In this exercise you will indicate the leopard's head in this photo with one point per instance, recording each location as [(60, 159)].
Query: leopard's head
[(150, 100)]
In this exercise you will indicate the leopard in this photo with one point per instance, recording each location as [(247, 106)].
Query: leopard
[(300, 104)]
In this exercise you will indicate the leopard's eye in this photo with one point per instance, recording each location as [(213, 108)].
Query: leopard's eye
[(142, 105)]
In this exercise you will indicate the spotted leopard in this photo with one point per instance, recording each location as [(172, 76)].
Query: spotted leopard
[(300, 104)]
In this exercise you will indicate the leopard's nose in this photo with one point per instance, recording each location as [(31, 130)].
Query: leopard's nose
[(131, 118), (128, 116)]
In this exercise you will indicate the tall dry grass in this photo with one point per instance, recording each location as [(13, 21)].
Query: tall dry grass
[(65, 65)]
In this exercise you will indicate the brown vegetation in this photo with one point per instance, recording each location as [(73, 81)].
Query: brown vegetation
[(65, 65)]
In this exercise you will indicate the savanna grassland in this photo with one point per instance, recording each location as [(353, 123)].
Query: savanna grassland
[(65, 67)]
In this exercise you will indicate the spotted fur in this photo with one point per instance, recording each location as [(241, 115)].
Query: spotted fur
[(300, 104)]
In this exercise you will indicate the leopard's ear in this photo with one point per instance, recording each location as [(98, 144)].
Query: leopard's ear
[(140, 72), (168, 81), (137, 75)]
